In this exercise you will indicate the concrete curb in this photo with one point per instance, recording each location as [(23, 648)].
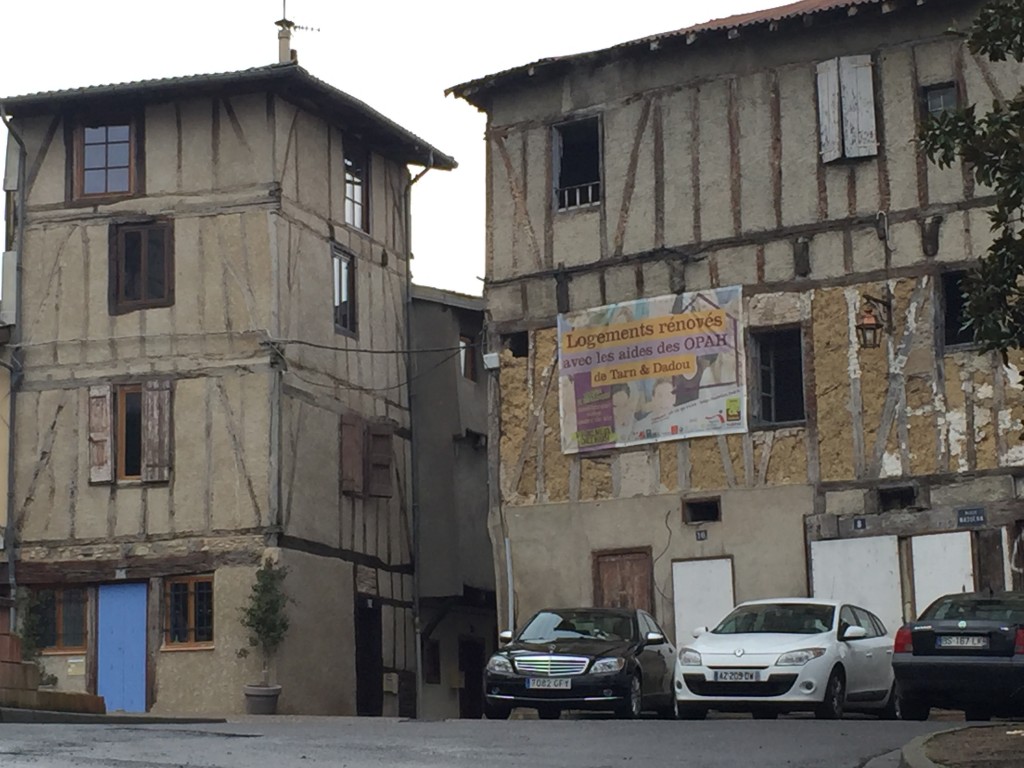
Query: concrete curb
[(913, 754), (42, 716)]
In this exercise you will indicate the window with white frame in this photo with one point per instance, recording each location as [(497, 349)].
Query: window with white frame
[(344, 269), (357, 166), (846, 108), (939, 99)]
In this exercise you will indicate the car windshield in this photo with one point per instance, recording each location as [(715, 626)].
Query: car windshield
[(786, 618), (552, 626), (978, 608)]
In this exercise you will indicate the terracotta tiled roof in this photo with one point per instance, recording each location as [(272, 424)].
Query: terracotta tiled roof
[(804, 8)]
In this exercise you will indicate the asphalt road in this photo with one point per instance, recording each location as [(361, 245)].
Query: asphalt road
[(365, 743)]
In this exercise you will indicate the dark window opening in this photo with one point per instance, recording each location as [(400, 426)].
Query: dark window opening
[(129, 433), (954, 306), (939, 99), (431, 662), (517, 343), (780, 376), (142, 271), (901, 497), (579, 163), (356, 188), (188, 611), (702, 511), (344, 268), (467, 357)]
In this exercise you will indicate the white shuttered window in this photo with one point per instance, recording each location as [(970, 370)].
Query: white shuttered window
[(846, 108)]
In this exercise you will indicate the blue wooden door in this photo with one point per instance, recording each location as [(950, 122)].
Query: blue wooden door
[(121, 647)]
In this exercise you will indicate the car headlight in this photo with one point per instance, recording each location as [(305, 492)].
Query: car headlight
[(799, 658), (689, 657), (607, 665), (500, 664)]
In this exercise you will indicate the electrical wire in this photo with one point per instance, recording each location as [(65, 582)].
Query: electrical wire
[(348, 385), (332, 348)]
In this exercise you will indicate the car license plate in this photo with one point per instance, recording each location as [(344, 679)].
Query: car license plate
[(737, 676), (961, 641), (549, 683)]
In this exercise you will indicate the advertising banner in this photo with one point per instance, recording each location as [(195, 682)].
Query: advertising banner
[(651, 370)]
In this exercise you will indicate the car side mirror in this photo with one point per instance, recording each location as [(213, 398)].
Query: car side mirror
[(699, 631), (854, 633), (505, 636), (654, 638)]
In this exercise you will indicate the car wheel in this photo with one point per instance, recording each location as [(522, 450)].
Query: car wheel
[(765, 714), (893, 709), (630, 709), (977, 715), (670, 711), (549, 713), (831, 707), (914, 709), (687, 712), (497, 712)]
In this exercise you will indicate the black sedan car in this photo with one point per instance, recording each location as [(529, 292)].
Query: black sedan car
[(583, 658), (966, 651)]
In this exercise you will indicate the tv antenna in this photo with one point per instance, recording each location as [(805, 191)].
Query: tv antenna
[(284, 36)]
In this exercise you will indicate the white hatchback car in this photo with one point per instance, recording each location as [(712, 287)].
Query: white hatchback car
[(774, 656)]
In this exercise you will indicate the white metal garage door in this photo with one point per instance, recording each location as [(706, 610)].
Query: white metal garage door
[(865, 572), (943, 563), (702, 593)]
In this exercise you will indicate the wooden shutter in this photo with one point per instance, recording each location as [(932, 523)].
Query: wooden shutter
[(101, 434), (829, 112), (156, 432), (381, 460), (352, 459), (858, 102)]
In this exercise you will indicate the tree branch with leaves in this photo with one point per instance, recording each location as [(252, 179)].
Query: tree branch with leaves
[(992, 145)]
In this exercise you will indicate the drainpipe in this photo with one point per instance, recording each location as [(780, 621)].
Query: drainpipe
[(414, 495), (15, 368)]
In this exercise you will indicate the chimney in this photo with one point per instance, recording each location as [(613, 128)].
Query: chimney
[(284, 42)]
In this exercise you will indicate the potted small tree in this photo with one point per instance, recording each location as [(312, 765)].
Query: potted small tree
[(265, 618)]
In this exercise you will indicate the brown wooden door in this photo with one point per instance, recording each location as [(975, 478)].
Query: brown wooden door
[(622, 579)]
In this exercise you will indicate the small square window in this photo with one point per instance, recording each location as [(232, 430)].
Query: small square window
[(357, 177), (188, 610), (702, 511), (779, 383), (517, 343), (939, 99), (142, 266), (104, 159), (896, 498), (578, 145), (344, 268)]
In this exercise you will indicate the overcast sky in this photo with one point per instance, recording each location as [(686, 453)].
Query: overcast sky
[(396, 55)]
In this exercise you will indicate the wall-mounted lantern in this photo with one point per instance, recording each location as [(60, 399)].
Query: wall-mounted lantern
[(870, 325)]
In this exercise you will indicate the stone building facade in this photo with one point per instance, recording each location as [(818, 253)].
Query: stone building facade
[(775, 152), (203, 261)]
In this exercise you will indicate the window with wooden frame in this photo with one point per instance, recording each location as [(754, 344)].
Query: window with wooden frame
[(936, 100), (130, 432), (105, 158), (357, 187), (779, 383), (188, 611), (578, 164), (467, 357), (60, 615), (343, 265), (366, 457), (847, 124), (955, 331), (141, 266)]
